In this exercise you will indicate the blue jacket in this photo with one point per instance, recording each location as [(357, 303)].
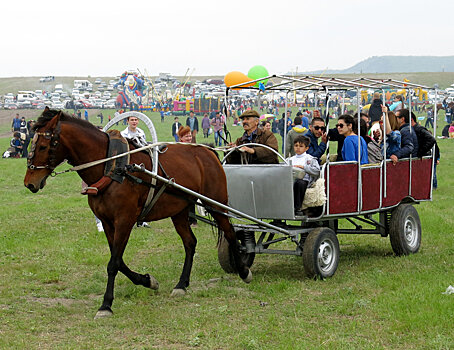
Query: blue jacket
[(408, 143), (350, 149), (16, 124), (315, 150)]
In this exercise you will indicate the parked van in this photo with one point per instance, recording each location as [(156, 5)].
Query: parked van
[(26, 96), (82, 84), (59, 88)]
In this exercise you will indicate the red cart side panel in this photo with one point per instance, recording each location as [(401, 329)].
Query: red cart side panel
[(343, 188), (397, 182), (370, 188), (421, 178)]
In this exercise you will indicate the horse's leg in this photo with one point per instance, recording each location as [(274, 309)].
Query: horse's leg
[(146, 280), (229, 234), (181, 223), (117, 238)]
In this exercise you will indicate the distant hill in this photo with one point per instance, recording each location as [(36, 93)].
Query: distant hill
[(397, 64)]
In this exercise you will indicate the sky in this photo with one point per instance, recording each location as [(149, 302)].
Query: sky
[(202, 37)]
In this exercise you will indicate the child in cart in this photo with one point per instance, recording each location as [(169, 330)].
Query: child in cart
[(310, 173)]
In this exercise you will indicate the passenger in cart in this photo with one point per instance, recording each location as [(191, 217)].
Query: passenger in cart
[(408, 141), (316, 131), (309, 174), (347, 126)]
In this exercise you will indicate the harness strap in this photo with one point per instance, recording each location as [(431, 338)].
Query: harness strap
[(147, 207), (150, 205), (98, 186)]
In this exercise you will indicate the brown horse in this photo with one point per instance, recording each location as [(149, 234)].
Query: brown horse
[(59, 136)]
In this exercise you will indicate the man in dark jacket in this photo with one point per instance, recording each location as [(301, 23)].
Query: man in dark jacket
[(408, 141), (253, 134), (375, 111), (425, 139), (316, 131), (193, 123)]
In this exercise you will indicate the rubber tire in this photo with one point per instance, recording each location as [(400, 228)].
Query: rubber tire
[(225, 256), (404, 219), (320, 238)]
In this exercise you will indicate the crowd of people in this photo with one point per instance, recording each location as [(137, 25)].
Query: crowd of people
[(385, 131), (22, 134)]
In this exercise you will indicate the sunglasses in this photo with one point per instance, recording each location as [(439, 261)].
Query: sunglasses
[(340, 125), (322, 128)]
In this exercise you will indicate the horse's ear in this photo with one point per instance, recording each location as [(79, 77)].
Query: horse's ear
[(53, 122)]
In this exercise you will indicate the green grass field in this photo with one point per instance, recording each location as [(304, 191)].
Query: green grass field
[(53, 276)]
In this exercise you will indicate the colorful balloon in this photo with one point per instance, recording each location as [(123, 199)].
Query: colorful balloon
[(258, 72), (234, 78)]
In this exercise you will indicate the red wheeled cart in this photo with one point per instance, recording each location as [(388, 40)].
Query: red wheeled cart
[(353, 193)]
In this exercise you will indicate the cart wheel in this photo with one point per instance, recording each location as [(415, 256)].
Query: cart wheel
[(225, 255), (321, 253), (405, 230)]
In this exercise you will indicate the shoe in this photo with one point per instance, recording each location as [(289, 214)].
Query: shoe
[(99, 226), (194, 224), (299, 213), (143, 224)]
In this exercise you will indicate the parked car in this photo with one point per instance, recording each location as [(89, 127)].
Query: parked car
[(24, 104), (48, 78), (57, 105), (83, 104), (98, 103), (10, 106), (98, 81), (110, 104)]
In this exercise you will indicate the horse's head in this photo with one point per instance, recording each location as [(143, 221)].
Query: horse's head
[(44, 155)]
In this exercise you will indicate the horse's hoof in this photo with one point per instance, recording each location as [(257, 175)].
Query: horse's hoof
[(178, 292), (248, 279), (154, 284), (103, 314)]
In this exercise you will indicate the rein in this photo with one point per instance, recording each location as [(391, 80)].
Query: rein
[(100, 161)]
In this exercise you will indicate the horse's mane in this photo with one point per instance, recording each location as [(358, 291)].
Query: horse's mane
[(48, 114)]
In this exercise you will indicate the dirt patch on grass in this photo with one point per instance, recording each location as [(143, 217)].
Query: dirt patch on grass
[(50, 302)]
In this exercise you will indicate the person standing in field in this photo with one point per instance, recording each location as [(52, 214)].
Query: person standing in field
[(175, 127), (193, 124), (218, 124), (206, 125), (15, 125)]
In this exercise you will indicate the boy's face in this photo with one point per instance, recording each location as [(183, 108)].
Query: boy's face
[(300, 148)]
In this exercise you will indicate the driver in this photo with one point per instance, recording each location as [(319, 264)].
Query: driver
[(254, 134)]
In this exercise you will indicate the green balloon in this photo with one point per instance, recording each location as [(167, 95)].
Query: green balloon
[(258, 72)]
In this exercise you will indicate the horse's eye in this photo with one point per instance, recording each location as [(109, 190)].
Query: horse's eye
[(42, 148)]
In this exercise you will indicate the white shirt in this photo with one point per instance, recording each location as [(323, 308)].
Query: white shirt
[(311, 166), (138, 135)]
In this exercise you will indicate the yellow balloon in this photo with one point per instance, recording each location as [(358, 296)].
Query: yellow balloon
[(234, 78)]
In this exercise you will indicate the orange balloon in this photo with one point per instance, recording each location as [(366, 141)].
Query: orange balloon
[(234, 78)]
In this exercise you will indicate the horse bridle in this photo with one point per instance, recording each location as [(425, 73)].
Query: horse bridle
[(54, 137)]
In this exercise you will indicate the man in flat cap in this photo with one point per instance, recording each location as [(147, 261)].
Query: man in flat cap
[(254, 134)]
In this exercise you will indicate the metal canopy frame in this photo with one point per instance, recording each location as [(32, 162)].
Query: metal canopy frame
[(289, 84), (312, 83)]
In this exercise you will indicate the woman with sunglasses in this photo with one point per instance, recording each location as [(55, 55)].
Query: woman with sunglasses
[(347, 126)]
